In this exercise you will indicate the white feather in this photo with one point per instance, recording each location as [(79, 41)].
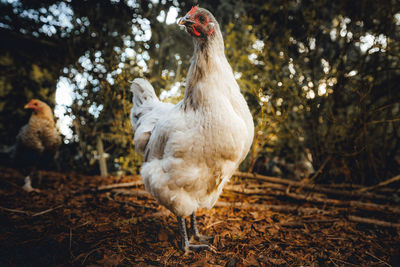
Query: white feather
[(190, 153)]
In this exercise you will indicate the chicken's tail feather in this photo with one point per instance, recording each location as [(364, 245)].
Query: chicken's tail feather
[(144, 100), (142, 91)]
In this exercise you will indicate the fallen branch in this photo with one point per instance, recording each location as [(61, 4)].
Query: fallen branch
[(121, 185), (302, 223), (311, 187), (254, 189), (335, 202), (351, 203), (263, 184), (291, 208), (277, 208), (350, 186), (267, 178), (250, 191), (373, 221), (392, 180)]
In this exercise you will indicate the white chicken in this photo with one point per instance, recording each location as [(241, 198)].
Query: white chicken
[(191, 149)]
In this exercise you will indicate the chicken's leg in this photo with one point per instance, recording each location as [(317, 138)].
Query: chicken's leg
[(193, 224), (185, 245), (28, 185)]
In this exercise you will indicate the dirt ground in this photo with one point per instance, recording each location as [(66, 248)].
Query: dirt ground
[(73, 223)]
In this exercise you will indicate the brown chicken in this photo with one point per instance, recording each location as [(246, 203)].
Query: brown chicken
[(37, 142)]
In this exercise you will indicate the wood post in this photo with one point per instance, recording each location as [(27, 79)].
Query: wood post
[(102, 159)]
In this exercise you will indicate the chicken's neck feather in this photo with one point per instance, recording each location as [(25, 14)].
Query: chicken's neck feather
[(44, 114), (208, 58)]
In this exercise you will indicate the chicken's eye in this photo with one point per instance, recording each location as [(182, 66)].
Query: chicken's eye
[(202, 19)]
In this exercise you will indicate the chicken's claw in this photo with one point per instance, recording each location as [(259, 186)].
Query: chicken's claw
[(197, 236), (203, 239), (195, 247), (28, 186)]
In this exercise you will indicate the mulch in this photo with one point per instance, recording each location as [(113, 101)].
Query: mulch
[(73, 223)]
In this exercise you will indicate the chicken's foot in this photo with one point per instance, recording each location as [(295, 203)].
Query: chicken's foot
[(185, 245), (28, 185), (197, 236)]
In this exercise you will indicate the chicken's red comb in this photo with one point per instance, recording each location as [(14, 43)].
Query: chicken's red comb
[(192, 10)]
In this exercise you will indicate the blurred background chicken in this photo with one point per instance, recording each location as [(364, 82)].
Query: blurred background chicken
[(192, 149), (37, 142)]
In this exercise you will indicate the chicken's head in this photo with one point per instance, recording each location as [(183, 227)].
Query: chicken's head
[(39, 107), (34, 104), (199, 23)]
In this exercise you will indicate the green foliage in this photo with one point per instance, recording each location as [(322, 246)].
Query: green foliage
[(40, 38), (112, 123), (321, 90)]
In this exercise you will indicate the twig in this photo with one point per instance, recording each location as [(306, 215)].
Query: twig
[(120, 185), (46, 211), (333, 262), (392, 180), (30, 213), (373, 221), (83, 224), (219, 222), (90, 252), (345, 262), (14, 210), (213, 224), (375, 257)]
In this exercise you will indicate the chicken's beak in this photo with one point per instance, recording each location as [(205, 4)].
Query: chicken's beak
[(185, 21), (30, 105), (27, 106)]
